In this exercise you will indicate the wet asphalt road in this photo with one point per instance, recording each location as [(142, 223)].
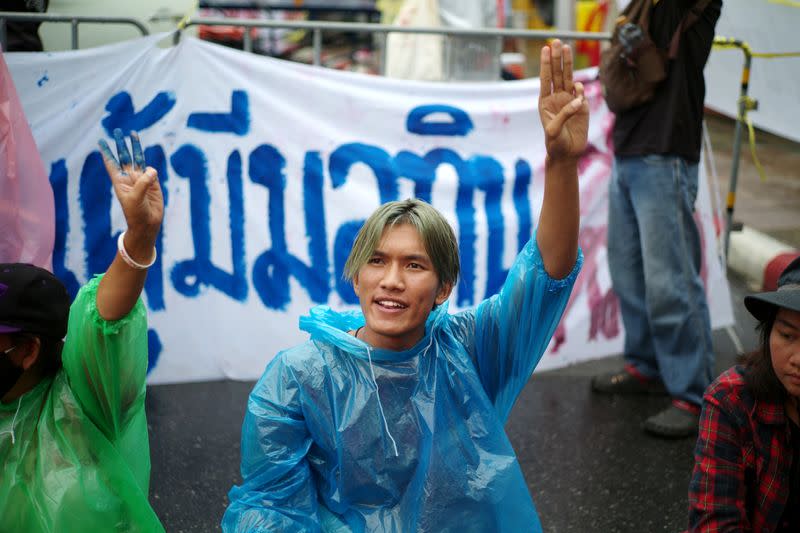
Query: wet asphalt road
[(588, 465)]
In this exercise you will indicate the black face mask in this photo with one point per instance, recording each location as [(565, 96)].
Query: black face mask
[(9, 374)]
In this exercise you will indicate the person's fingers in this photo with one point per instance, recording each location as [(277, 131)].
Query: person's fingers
[(112, 165), (555, 125), (558, 74), (580, 93), (545, 72), (138, 155), (145, 181), (122, 149), (567, 55)]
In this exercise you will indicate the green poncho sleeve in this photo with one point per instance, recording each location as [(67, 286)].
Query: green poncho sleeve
[(106, 362)]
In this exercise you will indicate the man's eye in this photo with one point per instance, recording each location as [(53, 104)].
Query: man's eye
[(375, 261), (414, 265)]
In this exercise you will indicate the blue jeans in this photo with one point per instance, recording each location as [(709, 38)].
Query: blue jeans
[(654, 257)]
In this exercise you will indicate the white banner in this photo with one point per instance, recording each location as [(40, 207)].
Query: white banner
[(270, 167)]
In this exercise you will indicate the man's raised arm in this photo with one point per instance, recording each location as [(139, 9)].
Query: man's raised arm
[(564, 112)]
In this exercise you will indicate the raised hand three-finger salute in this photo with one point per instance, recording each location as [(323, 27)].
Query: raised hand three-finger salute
[(564, 113), (139, 193), (562, 106)]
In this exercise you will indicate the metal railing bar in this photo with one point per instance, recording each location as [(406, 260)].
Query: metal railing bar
[(365, 27), (73, 20), (54, 17), (247, 40), (317, 40), (74, 33), (314, 8)]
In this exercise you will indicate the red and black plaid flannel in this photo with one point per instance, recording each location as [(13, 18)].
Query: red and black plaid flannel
[(742, 461)]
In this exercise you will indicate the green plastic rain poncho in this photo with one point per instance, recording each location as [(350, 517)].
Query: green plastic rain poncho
[(74, 454), (339, 436)]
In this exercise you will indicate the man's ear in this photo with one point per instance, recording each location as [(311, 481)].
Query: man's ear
[(355, 285), (444, 293), (33, 347)]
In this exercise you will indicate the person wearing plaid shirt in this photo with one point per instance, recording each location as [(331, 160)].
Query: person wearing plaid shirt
[(747, 459)]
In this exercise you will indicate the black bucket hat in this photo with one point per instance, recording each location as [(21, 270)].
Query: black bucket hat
[(788, 294), (32, 300)]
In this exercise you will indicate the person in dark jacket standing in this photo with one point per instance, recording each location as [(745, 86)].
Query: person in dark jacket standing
[(653, 242)]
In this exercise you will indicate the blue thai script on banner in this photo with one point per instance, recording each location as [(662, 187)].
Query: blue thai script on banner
[(273, 268)]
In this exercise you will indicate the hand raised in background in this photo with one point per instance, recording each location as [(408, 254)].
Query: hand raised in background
[(562, 106), (136, 186), (139, 194)]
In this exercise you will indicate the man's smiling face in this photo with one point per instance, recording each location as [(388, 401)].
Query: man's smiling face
[(397, 289)]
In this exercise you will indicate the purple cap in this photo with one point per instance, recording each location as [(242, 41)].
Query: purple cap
[(32, 300)]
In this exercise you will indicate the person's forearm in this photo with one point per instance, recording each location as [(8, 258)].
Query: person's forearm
[(557, 233), (122, 284)]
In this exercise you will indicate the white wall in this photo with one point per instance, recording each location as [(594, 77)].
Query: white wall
[(766, 27)]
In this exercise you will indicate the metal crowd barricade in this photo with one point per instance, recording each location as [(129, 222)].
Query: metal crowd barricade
[(73, 20), (745, 104), (318, 27)]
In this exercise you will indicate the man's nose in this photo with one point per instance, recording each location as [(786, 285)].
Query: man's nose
[(393, 278)]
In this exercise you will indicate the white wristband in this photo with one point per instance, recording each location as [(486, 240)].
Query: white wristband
[(128, 259)]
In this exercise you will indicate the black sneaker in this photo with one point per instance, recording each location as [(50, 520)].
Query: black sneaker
[(677, 421), (625, 382)]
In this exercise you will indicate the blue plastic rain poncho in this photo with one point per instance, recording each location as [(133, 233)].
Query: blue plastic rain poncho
[(74, 454), (339, 436)]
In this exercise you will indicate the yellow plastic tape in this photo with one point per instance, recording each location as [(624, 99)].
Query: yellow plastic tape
[(724, 42), (790, 3), (752, 135), (782, 54), (188, 16), (183, 22)]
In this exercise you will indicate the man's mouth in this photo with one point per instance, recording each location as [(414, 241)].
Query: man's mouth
[(391, 304)]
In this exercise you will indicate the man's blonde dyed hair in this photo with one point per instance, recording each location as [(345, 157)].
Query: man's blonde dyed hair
[(436, 234)]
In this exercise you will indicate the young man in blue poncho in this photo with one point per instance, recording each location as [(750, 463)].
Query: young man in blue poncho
[(391, 419)]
